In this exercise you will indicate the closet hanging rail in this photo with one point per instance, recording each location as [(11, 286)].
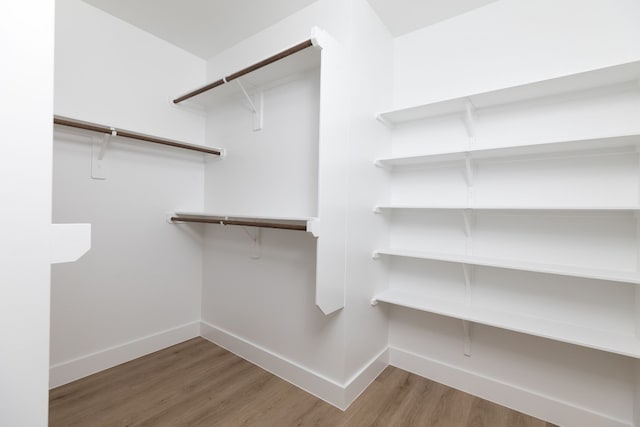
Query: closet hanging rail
[(278, 56), (65, 121), (253, 222)]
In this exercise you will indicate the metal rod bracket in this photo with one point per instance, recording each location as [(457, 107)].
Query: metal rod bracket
[(98, 151), (257, 107), (255, 234)]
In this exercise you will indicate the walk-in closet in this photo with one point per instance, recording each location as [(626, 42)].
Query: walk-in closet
[(321, 213)]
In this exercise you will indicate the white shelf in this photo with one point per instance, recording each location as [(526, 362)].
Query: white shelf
[(612, 142), (627, 345), (69, 242), (562, 270), (624, 73), (511, 208), (296, 223), (263, 78)]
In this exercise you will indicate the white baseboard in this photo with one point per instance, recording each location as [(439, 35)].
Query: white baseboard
[(338, 394), (535, 404), (332, 392), (65, 372)]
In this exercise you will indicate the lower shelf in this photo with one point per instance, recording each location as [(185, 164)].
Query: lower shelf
[(626, 345)]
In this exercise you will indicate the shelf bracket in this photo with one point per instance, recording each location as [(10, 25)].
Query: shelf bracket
[(374, 301), (257, 108), (255, 235), (469, 118), (381, 165), (468, 218), (384, 121), (469, 176), (469, 273), (468, 169), (98, 151), (467, 327)]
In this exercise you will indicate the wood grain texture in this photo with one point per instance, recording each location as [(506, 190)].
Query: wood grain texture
[(197, 383)]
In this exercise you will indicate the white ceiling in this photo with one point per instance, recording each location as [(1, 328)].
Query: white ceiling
[(206, 27), (202, 27)]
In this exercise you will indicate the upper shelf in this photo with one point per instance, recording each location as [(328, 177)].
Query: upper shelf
[(512, 151), (302, 57), (285, 223), (624, 73)]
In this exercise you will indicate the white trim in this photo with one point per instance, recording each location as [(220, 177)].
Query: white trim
[(340, 395), (332, 392), (530, 402), (359, 382), (71, 370)]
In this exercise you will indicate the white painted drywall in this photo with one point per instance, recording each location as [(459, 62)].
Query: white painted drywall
[(511, 42), (25, 190), (143, 275), (370, 67), (112, 73)]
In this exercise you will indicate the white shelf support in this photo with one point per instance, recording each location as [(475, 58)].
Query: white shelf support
[(467, 328), (469, 219), (384, 121), (469, 176), (469, 119), (98, 151), (255, 235), (469, 273), (257, 107), (381, 165), (468, 169), (105, 143)]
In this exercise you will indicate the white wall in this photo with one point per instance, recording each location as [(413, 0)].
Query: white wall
[(503, 44), (511, 42), (370, 54), (112, 73), (138, 289), (25, 190)]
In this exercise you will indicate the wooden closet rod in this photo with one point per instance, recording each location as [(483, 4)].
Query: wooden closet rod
[(300, 227), (64, 121), (247, 70)]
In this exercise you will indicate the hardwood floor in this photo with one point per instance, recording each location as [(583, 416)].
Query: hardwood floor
[(197, 383)]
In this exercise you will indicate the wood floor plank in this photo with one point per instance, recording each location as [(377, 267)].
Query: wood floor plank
[(199, 384)]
